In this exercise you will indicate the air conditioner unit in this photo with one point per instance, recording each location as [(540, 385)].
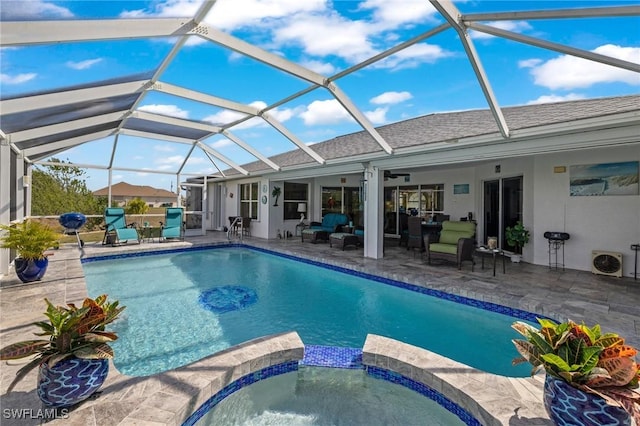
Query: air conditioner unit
[(606, 263)]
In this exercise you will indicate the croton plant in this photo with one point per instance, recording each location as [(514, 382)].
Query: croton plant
[(584, 357), (72, 332)]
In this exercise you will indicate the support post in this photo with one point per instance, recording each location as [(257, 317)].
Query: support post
[(373, 191)]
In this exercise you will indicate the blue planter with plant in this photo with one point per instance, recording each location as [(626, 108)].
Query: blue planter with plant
[(74, 359)]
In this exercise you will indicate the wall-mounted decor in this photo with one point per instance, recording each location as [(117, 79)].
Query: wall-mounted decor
[(604, 179), (264, 199), (461, 188), (276, 194), (265, 188)]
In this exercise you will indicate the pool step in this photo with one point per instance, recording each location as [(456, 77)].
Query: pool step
[(332, 356)]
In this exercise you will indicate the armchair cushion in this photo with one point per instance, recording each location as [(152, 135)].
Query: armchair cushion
[(454, 243)]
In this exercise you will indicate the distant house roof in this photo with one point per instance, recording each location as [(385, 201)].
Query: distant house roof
[(123, 189)]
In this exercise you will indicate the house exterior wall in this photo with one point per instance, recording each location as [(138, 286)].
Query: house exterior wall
[(609, 223)]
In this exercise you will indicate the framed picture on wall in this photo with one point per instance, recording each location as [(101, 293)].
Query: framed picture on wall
[(461, 188), (604, 179)]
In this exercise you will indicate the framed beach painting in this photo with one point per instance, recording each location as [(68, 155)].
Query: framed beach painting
[(604, 179)]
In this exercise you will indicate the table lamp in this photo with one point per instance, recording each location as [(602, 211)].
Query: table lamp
[(302, 209)]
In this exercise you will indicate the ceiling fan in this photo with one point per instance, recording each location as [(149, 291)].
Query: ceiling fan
[(389, 175)]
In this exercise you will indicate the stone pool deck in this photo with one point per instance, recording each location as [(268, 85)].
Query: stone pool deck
[(169, 397)]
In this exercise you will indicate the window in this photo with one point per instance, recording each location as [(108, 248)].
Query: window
[(249, 200), (345, 200), (294, 193)]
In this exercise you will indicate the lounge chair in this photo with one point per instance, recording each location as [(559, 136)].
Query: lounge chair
[(116, 229), (320, 231), (173, 225)]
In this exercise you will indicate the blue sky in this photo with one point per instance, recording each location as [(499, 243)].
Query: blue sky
[(327, 37)]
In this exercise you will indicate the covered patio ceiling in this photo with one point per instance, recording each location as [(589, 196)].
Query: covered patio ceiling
[(49, 122)]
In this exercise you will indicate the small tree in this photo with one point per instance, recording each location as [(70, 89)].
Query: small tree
[(63, 188), (137, 206)]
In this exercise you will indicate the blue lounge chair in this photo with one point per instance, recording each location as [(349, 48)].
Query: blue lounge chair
[(173, 225), (117, 231)]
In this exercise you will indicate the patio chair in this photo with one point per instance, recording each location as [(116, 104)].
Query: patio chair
[(116, 229), (414, 238), (173, 225)]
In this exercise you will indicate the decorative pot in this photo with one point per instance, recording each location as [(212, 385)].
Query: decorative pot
[(516, 258), (29, 270), (569, 406), (71, 381)]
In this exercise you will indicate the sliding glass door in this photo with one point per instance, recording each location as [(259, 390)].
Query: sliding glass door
[(502, 207)]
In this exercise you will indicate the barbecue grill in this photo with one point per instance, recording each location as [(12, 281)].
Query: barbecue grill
[(556, 242), (72, 222)]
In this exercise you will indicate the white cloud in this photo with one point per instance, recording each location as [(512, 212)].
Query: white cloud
[(391, 98), (32, 10), (221, 143), (513, 26), (17, 79), (330, 34), (547, 99), (325, 112), (232, 14), (223, 117), (163, 148), (83, 65), (389, 14), (413, 56), (529, 63), (570, 72), (170, 110), (324, 68), (169, 161), (377, 116)]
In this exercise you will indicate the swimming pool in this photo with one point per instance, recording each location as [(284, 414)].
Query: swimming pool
[(166, 324)]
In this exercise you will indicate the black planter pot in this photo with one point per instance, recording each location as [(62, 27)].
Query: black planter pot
[(30, 269), (569, 406), (71, 381)]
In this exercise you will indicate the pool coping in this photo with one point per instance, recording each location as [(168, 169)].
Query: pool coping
[(170, 398), (166, 398)]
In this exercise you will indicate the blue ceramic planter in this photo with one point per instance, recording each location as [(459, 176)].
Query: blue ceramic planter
[(31, 270), (569, 406), (71, 381)]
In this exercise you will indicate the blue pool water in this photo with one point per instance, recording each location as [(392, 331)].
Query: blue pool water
[(166, 324), (327, 396)]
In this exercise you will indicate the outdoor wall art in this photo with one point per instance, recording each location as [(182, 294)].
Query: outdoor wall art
[(604, 179), (461, 188)]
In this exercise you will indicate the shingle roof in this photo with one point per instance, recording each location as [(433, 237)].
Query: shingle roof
[(123, 189), (442, 127)]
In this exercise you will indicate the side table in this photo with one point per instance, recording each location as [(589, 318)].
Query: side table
[(300, 226), (485, 252)]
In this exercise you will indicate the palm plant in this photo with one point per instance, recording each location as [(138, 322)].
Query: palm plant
[(72, 332), (596, 363), (30, 239)]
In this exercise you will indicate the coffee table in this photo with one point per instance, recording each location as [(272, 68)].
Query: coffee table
[(483, 252)]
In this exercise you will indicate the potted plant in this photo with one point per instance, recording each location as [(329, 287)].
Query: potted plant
[(31, 240), (517, 236), (73, 359), (275, 194), (592, 378)]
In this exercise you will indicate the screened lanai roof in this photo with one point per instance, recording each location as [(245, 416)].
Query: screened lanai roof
[(251, 87)]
